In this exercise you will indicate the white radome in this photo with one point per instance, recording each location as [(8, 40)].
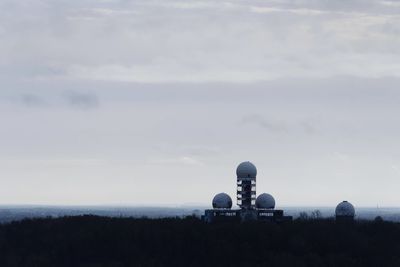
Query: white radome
[(222, 201), (345, 209), (246, 170), (265, 201)]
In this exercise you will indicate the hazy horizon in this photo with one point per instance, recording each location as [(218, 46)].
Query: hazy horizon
[(144, 102), (17, 213)]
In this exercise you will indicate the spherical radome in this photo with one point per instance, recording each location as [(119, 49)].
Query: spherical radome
[(222, 201), (246, 170), (265, 201), (345, 209)]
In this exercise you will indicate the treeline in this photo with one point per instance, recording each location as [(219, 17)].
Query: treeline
[(101, 241)]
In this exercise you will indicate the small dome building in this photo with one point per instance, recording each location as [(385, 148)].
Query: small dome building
[(222, 201), (265, 201), (246, 170), (345, 211)]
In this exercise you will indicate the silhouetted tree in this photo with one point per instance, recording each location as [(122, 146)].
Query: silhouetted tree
[(316, 214), (303, 216)]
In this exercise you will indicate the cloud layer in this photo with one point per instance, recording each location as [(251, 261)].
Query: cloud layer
[(198, 41), (150, 101)]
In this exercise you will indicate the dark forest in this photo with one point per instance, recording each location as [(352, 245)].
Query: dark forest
[(102, 241)]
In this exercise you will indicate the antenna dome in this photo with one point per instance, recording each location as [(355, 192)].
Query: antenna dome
[(265, 201), (246, 170), (345, 209), (222, 201)]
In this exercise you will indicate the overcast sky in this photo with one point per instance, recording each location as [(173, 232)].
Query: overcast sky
[(149, 102)]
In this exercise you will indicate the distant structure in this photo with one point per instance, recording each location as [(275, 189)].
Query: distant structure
[(265, 202), (222, 201), (344, 211), (251, 208), (246, 174)]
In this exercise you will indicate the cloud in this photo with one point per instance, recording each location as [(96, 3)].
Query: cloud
[(81, 100), (32, 100), (198, 41), (184, 160), (309, 127), (56, 99), (201, 151), (299, 11), (164, 72), (391, 3), (173, 86), (268, 124), (281, 126)]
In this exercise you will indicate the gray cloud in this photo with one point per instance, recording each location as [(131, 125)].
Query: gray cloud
[(309, 127), (32, 100), (81, 100), (280, 126), (57, 99), (199, 41), (270, 125)]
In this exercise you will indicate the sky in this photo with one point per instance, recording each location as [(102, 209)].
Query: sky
[(155, 102)]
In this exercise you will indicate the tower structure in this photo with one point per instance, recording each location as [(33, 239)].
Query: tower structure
[(246, 174), (262, 208)]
